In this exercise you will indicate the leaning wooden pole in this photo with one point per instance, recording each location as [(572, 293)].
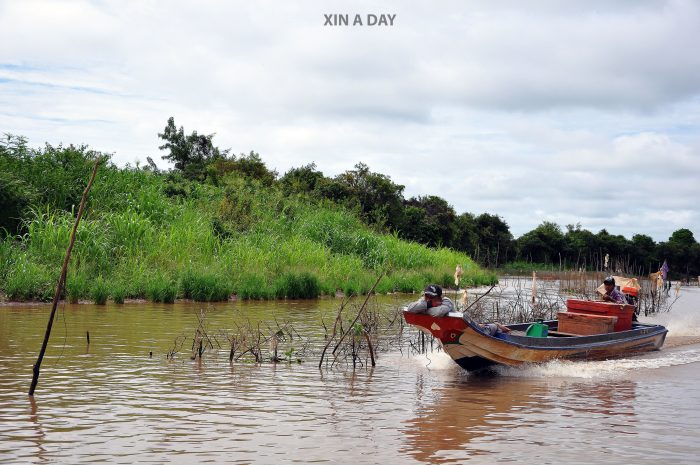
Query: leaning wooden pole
[(62, 279)]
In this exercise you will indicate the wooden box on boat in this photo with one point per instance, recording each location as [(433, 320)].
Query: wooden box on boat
[(582, 324), (623, 312)]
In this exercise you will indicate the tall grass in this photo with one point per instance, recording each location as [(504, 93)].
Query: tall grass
[(77, 287), (28, 281), (99, 291), (118, 292), (204, 287), (297, 286), (160, 288), (238, 238)]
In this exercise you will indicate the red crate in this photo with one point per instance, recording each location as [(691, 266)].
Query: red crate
[(623, 312)]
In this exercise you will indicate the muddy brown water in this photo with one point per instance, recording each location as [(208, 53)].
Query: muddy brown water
[(110, 403)]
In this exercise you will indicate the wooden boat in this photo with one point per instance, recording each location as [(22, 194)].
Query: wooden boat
[(473, 349)]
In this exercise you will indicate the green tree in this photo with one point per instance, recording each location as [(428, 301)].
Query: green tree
[(467, 238), (644, 251), (683, 238), (681, 251), (54, 176), (430, 220), (189, 153), (375, 196), (581, 246), (495, 240), (544, 244), (305, 179), (248, 166)]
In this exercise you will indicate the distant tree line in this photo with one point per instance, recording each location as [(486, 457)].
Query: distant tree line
[(487, 237), (380, 202)]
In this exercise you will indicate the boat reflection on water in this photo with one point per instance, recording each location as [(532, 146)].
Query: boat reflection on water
[(475, 416)]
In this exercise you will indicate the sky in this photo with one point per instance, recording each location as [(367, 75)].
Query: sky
[(566, 111)]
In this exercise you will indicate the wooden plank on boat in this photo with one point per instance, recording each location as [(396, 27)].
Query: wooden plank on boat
[(585, 325), (560, 333)]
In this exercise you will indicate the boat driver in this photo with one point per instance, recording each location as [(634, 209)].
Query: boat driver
[(433, 302), (611, 293)]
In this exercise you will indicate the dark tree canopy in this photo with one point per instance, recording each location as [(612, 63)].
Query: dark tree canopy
[(303, 180), (248, 166), (430, 220), (378, 199), (189, 153)]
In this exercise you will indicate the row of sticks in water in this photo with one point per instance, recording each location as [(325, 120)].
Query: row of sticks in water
[(359, 332)]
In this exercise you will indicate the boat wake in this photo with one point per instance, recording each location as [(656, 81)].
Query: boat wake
[(618, 368), (682, 347)]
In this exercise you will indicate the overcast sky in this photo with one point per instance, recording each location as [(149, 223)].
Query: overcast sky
[(561, 111)]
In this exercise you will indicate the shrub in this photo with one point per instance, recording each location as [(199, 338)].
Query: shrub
[(118, 293), (28, 280), (99, 291), (253, 286), (77, 287), (161, 289), (297, 286), (203, 287)]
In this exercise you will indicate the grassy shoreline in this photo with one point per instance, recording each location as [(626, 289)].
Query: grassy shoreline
[(156, 236)]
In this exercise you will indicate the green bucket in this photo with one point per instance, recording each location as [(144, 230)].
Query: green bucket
[(538, 329)]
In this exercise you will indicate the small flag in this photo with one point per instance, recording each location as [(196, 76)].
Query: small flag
[(664, 270)]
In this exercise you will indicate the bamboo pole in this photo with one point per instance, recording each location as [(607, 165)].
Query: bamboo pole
[(62, 280)]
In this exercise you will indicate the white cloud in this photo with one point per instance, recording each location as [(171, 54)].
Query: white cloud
[(537, 113)]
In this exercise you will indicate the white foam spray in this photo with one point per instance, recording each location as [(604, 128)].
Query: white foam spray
[(618, 368)]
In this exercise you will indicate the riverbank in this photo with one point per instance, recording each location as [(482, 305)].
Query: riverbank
[(160, 237)]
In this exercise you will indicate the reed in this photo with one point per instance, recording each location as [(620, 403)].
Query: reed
[(302, 285), (204, 287), (118, 292), (160, 288), (77, 287), (99, 291), (28, 281)]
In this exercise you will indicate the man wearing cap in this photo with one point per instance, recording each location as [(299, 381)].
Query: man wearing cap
[(611, 293), (433, 303)]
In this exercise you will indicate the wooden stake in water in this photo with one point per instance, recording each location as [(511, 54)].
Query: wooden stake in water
[(62, 280)]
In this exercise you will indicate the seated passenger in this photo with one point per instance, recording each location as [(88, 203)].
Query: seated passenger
[(611, 293), (494, 328), (432, 302)]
